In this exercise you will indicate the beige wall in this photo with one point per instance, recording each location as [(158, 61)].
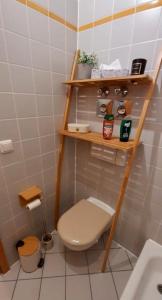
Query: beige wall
[(136, 35), (35, 58)]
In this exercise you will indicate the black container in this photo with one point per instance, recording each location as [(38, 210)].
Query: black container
[(138, 66)]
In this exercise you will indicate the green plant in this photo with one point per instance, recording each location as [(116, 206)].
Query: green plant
[(89, 59)]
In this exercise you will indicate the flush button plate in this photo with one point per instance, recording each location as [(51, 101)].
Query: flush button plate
[(6, 146)]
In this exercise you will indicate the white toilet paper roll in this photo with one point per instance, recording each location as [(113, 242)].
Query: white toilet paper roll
[(32, 205)]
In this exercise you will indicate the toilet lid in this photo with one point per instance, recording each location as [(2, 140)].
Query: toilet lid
[(83, 223)]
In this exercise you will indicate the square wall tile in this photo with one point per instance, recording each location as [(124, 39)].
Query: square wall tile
[(86, 15), (59, 88), (101, 37), (43, 82), (144, 50), (12, 157), (54, 265), (40, 55), (72, 12), (45, 125), (122, 30), (57, 7), (11, 9), (45, 105), (5, 213), (146, 25), (121, 5), (71, 38), (85, 40), (31, 148), (25, 105), (6, 289), (48, 160), (53, 287), (28, 128), (7, 109), (57, 35), (57, 61), (18, 49), (14, 172), (3, 56), (103, 287), (22, 79), (103, 8), (9, 130), (47, 143), (38, 26), (33, 166), (123, 54), (5, 84), (27, 289), (78, 287)]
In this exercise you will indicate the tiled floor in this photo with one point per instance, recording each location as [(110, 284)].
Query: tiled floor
[(69, 275)]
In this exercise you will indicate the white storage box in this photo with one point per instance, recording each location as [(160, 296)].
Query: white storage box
[(76, 127), (30, 254)]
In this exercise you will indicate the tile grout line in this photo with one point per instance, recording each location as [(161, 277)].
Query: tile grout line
[(86, 257), (16, 282), (65, 272), (129, 259), (113, 280), (41, 276)]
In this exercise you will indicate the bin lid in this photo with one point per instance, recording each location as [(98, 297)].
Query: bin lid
[(31, 245)]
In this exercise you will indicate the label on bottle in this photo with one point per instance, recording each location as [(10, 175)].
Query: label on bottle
[(107, 129)]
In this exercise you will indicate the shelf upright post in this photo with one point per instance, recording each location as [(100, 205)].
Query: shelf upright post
[(62, 142)]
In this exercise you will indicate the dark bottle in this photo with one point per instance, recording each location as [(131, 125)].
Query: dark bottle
[(138, 66), (125, 129)]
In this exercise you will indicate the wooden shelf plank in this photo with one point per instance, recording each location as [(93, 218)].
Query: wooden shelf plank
[(131, 79), (97, 138)]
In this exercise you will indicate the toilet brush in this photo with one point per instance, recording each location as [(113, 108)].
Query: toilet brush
[(47, 240)]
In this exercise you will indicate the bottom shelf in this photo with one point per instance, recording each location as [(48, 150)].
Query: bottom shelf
[(97, 138)]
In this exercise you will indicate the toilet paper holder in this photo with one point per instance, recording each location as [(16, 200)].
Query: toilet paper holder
[(29, 195)]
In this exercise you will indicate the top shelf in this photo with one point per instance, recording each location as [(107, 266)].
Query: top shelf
[(131, 79)]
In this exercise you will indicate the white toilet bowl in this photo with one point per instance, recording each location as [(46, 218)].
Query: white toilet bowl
[(82, 225)]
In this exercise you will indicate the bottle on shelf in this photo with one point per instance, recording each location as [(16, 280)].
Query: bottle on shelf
[(108, 125), (125, 129)]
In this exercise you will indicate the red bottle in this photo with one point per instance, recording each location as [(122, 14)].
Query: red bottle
[(108, 124)]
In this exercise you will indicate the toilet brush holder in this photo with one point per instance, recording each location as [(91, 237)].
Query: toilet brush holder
[(47, 241)]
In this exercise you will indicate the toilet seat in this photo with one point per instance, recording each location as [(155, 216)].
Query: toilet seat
[(81, 226)]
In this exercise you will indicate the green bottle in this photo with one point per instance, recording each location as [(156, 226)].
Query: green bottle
[(125, 129)]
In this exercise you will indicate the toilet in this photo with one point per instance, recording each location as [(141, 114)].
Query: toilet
[(82, 225)]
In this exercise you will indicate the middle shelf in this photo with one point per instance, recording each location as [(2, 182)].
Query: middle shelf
[(97, 138)]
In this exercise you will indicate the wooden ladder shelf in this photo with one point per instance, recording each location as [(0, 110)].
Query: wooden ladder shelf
[(96, 138)]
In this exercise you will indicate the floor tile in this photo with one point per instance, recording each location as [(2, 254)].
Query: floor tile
[(115, 245), (58, 246), (132, 258), (121, 279), (53, 289), (95, 259), (119, 260), (12, 273), (76, 263), (54, 265), (27, 289), (103, 287), (35, 274), (78, 288), (6, 290)]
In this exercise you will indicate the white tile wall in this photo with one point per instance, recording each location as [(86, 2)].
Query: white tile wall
[(35, 54), (137, 35)]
